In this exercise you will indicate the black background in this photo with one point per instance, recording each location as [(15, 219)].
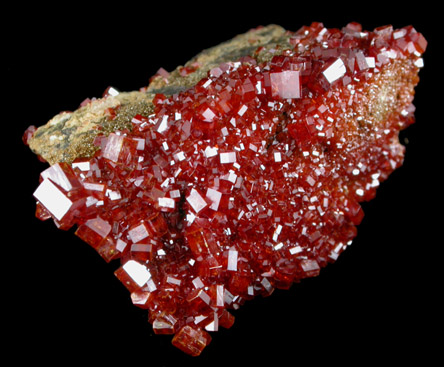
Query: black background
[(378, 303)]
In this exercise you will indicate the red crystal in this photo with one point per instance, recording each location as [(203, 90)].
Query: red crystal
[(191, 340), (29, 132), (249, 181)]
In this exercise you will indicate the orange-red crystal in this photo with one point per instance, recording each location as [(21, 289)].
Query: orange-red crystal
[(248, 181)]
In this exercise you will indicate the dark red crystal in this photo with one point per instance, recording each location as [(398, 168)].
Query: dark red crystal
[(249, 181), (29, 132)]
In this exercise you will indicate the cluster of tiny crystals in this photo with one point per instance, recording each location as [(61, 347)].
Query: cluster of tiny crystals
[(249, 181)]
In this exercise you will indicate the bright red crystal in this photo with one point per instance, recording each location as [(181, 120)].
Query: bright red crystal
[(248, 181), (191, 340)]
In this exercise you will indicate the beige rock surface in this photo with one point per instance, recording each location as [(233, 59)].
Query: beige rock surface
[(69, 135)]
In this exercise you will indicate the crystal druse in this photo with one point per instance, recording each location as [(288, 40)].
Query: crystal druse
[(247, 180)]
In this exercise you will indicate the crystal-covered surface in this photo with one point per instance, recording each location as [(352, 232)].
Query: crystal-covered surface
[(249, 181)]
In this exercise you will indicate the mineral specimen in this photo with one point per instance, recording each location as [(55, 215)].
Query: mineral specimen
[(236, 174)]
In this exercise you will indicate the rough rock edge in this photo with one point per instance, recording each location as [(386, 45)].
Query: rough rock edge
[(70, 135)]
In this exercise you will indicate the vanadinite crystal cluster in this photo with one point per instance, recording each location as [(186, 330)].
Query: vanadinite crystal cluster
[(248, 180)]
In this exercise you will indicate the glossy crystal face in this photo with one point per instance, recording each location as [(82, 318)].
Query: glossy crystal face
[(249, 181)]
